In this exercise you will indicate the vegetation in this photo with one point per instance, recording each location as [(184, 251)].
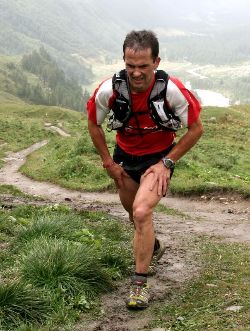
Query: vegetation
[(218, 299), (77, 30), (228, 47), (22, 124), (55, 263), (219, 162), (38, 79), (56, 89)]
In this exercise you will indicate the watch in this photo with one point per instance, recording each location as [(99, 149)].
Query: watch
[(168, 163)]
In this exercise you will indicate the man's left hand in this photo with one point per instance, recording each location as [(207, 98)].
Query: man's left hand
[(161, 177)]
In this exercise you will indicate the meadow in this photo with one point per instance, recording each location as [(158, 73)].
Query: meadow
[(219, 163), (45, 284)]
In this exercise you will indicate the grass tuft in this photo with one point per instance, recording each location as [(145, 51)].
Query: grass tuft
[(62, 265), (22, 303)]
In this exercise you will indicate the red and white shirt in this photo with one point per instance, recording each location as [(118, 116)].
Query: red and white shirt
[(181, 100)]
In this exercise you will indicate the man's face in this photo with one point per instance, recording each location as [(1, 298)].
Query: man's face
[(140, 67)]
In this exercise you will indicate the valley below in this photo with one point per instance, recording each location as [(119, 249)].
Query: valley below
[(218, 93)]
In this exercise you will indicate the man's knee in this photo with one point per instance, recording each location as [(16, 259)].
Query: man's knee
[(141, 214)]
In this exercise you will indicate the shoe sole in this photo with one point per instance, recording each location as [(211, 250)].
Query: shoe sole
[(135, 307), (159, 256)]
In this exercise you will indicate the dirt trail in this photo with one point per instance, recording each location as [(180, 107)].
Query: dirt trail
[(223, 217)]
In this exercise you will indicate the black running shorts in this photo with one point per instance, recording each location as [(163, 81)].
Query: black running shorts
[(135, 166)]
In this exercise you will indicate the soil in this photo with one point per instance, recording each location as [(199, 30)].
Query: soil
[(223, 218)]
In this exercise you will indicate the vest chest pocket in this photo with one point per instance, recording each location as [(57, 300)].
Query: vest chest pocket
[(119, 114), (164, 116)]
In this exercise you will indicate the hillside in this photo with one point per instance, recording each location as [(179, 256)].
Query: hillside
[(37, 78), (62, 27), (85, 36), (53, 239), (75, 31), (219, 162)]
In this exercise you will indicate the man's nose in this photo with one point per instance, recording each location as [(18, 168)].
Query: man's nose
[(136, 72)]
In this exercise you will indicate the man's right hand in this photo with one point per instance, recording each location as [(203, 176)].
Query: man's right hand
[(117, 173)]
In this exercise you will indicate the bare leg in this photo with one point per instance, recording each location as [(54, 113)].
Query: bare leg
[(139, 202), (127, 195), (144, 239)]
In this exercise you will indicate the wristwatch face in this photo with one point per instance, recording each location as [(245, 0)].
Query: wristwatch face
[(168, 163)]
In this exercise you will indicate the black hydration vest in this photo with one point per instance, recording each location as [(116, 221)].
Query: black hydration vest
[(121, 109)]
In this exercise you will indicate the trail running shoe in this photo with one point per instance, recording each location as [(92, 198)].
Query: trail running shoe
[(157, 254), (160, 251), (139, 295)]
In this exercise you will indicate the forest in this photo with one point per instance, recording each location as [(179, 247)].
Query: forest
[(48, 84)]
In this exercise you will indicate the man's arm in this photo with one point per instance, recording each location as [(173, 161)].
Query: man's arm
[(186, 142), (98, 137)]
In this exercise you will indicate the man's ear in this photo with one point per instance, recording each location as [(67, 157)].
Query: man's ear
[(157, 62)]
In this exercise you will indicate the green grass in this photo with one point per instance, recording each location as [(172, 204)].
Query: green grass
[(64, 266), (202, 305), (160, 208), (58, 263), (72, 163), (220, 160), (218, 163), (20, 302)]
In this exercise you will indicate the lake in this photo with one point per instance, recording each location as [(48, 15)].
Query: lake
[(210, 98)]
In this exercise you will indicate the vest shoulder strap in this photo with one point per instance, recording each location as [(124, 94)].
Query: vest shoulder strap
[(119, 83), (161, 75), (160, 87)]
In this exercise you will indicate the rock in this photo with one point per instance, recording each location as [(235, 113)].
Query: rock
[(212, 119), (180, 318), (211, 183), (234, 308)]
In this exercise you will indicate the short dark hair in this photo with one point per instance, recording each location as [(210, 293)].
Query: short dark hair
[(139, 40)]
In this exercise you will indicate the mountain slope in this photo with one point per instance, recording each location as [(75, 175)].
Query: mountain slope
[(193, 31)]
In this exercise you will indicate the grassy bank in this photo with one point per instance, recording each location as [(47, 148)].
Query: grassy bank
[(55, 264), (220, 160), (219, 299)]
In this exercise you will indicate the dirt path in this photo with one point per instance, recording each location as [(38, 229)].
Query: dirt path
[(224, 217)]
